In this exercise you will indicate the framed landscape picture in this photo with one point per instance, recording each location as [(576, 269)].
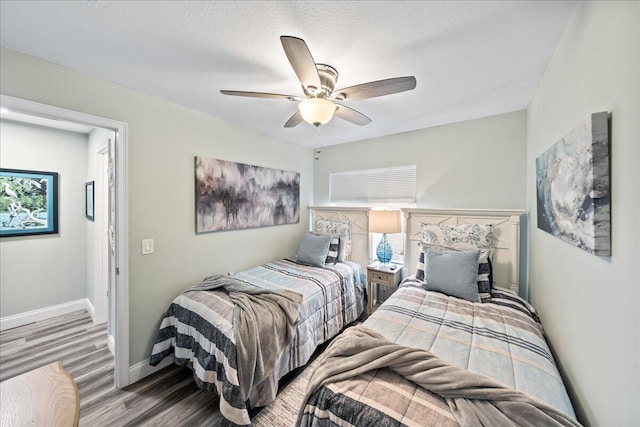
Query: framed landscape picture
[(28, 202)]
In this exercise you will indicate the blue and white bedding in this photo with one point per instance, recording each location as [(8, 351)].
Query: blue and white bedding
[(500, 339), (198, 328)]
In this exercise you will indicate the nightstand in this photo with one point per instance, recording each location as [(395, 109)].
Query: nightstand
[(381, 275)]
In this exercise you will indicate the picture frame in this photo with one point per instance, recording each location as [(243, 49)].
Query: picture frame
[(28, 202), (232, 196), (89, 201), (572, 186)]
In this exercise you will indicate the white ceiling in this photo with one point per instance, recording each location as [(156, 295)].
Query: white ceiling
[(470, 58)]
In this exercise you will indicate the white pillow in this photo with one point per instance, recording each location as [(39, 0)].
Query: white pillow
[(464, 236)]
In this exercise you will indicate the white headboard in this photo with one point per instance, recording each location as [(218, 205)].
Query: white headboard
[(505, 236), (359, 220)]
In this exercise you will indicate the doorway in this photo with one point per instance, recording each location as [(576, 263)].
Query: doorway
[(116, 230)]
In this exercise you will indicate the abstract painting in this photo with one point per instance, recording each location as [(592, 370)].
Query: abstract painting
[(29, 202), (572, 182), (233, 196)]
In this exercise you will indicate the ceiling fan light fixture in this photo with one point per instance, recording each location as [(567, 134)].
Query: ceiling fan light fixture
[(316, 111), (318, 82)]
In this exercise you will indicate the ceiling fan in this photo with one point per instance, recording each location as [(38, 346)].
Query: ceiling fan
[(318, 81)]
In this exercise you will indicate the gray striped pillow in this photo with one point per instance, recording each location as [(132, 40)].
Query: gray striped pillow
[(341, 229), (334, 250)]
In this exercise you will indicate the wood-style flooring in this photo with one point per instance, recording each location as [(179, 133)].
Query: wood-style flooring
[(169, 397)]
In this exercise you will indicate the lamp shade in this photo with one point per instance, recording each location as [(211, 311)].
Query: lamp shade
[(316, 111), (385, 222)]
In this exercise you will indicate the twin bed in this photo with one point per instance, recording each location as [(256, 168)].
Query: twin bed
[(198, 327), (423, 357)]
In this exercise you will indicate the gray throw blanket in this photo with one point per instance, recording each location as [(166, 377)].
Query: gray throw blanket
[(264, 324), (474, 400)]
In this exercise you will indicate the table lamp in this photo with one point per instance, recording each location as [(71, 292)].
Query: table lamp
[(384, 222)]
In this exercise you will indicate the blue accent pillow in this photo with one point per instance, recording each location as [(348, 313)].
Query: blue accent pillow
[(313, 249), (485, 269), (453, 273)]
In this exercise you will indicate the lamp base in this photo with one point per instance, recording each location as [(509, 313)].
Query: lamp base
[(384, 250)]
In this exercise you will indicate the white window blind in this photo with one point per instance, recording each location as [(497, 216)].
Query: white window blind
[(374, 186)]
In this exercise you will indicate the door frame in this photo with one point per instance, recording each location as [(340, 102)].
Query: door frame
[(121, 286)]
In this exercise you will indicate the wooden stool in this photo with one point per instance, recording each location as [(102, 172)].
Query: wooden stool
[(46, 396)]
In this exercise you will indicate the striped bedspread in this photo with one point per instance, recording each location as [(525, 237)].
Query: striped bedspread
[(198, 328), (500, 339)]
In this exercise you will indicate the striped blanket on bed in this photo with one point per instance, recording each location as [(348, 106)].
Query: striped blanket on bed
[(198, 328), (500, 339)]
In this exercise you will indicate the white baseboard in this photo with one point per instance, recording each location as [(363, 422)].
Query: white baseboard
[(91, 310), (143, 369), (21, 319)]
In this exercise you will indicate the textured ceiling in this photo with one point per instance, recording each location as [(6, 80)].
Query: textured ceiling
[(470, 58)]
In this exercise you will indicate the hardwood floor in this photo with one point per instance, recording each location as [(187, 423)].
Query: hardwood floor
[(167, 398)]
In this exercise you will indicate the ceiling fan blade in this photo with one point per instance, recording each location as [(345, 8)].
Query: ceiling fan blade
[(351, 115), (301, 61), (377, 88), (260, 95), (294, 120)]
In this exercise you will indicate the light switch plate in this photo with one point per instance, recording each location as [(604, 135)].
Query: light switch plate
[(147, 246)]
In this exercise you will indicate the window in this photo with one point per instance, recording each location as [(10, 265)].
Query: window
[(374, 187), (379, 188)]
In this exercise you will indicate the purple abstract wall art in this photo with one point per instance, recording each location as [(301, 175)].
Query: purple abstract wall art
[(232, 195)]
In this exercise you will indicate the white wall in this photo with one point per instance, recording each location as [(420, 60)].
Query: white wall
[(472, 164), (91, 226), (164, 138), (46, 270), (590, 305), (97, 140), (476, 164)]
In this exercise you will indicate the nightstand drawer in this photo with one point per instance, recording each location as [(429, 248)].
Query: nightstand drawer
[(382, 278)]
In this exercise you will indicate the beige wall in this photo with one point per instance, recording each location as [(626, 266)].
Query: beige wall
[(46, 270), (164, 138), (472, 164), (590, 305)]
